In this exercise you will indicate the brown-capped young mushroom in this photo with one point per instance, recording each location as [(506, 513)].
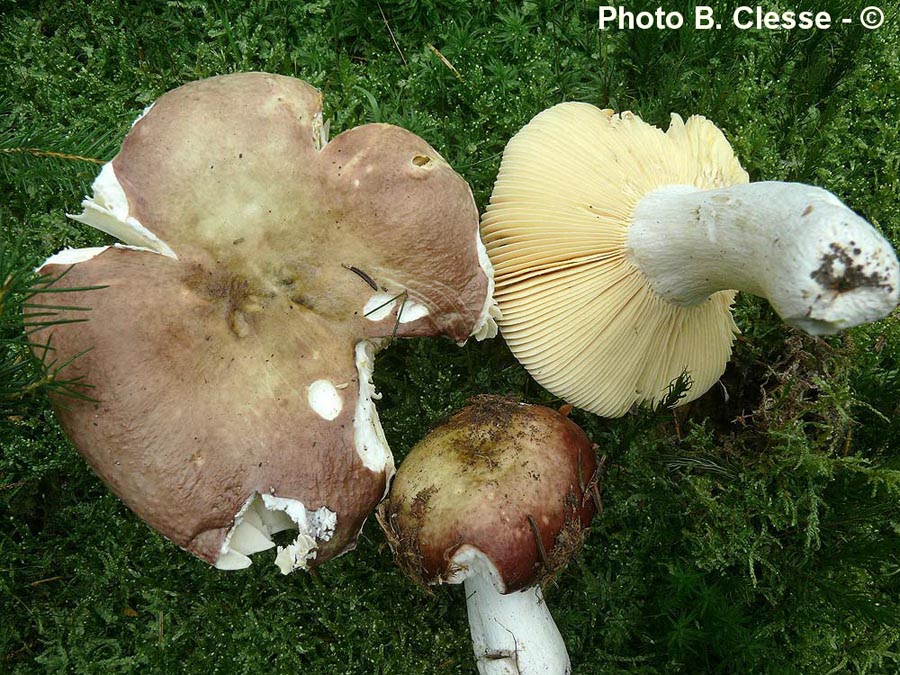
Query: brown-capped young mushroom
[(496, 498), (616, 247), (230, 351)]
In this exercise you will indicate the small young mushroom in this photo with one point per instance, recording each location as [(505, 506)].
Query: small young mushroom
[(230, 352), (497, 498), (616, 246)]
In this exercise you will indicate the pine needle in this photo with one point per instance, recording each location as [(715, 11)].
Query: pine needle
[(37, 152), (29, 369)]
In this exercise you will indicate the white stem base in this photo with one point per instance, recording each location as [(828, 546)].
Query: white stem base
[(821, 266), (513, 634)]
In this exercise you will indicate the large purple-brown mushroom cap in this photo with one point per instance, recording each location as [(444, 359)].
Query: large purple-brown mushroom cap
[(230, 352)]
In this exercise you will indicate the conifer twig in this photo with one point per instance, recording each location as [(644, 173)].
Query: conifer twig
[(37, 152), (29, 368)]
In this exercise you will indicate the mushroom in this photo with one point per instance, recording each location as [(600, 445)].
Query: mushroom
[(230, 353), (616, 246), (497, 498)]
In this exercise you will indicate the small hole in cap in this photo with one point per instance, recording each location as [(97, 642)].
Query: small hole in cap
[(421, 160)]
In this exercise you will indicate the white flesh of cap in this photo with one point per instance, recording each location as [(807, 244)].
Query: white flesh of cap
[(371, 445), (380, 305), (512, 634), (263, 516), (108, 211), (324, 399), (143, 114), (412, 311), (73, 256), (486, 326), (320, 129), (821, 266)]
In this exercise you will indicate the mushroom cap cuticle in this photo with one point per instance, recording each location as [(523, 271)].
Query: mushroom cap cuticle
[(501, 478), (241, 364)]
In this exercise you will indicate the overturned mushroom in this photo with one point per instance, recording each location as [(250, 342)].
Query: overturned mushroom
[(497, 498), (231, 350), (616, 244)]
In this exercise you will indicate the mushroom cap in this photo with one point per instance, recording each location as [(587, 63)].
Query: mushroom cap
[(481, 482), (229, 352), (576, 310)]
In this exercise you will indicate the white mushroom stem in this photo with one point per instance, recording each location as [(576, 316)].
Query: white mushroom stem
[(821, 266), (512, 634)]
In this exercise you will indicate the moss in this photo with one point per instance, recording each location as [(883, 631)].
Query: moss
[(756, 533)]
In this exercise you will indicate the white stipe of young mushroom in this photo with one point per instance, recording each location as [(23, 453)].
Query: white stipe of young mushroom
[(368, 436), (325, 399), (73, 256), (486, 326), (108, 212), (821, 266), (512, 634), (260, 517)]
